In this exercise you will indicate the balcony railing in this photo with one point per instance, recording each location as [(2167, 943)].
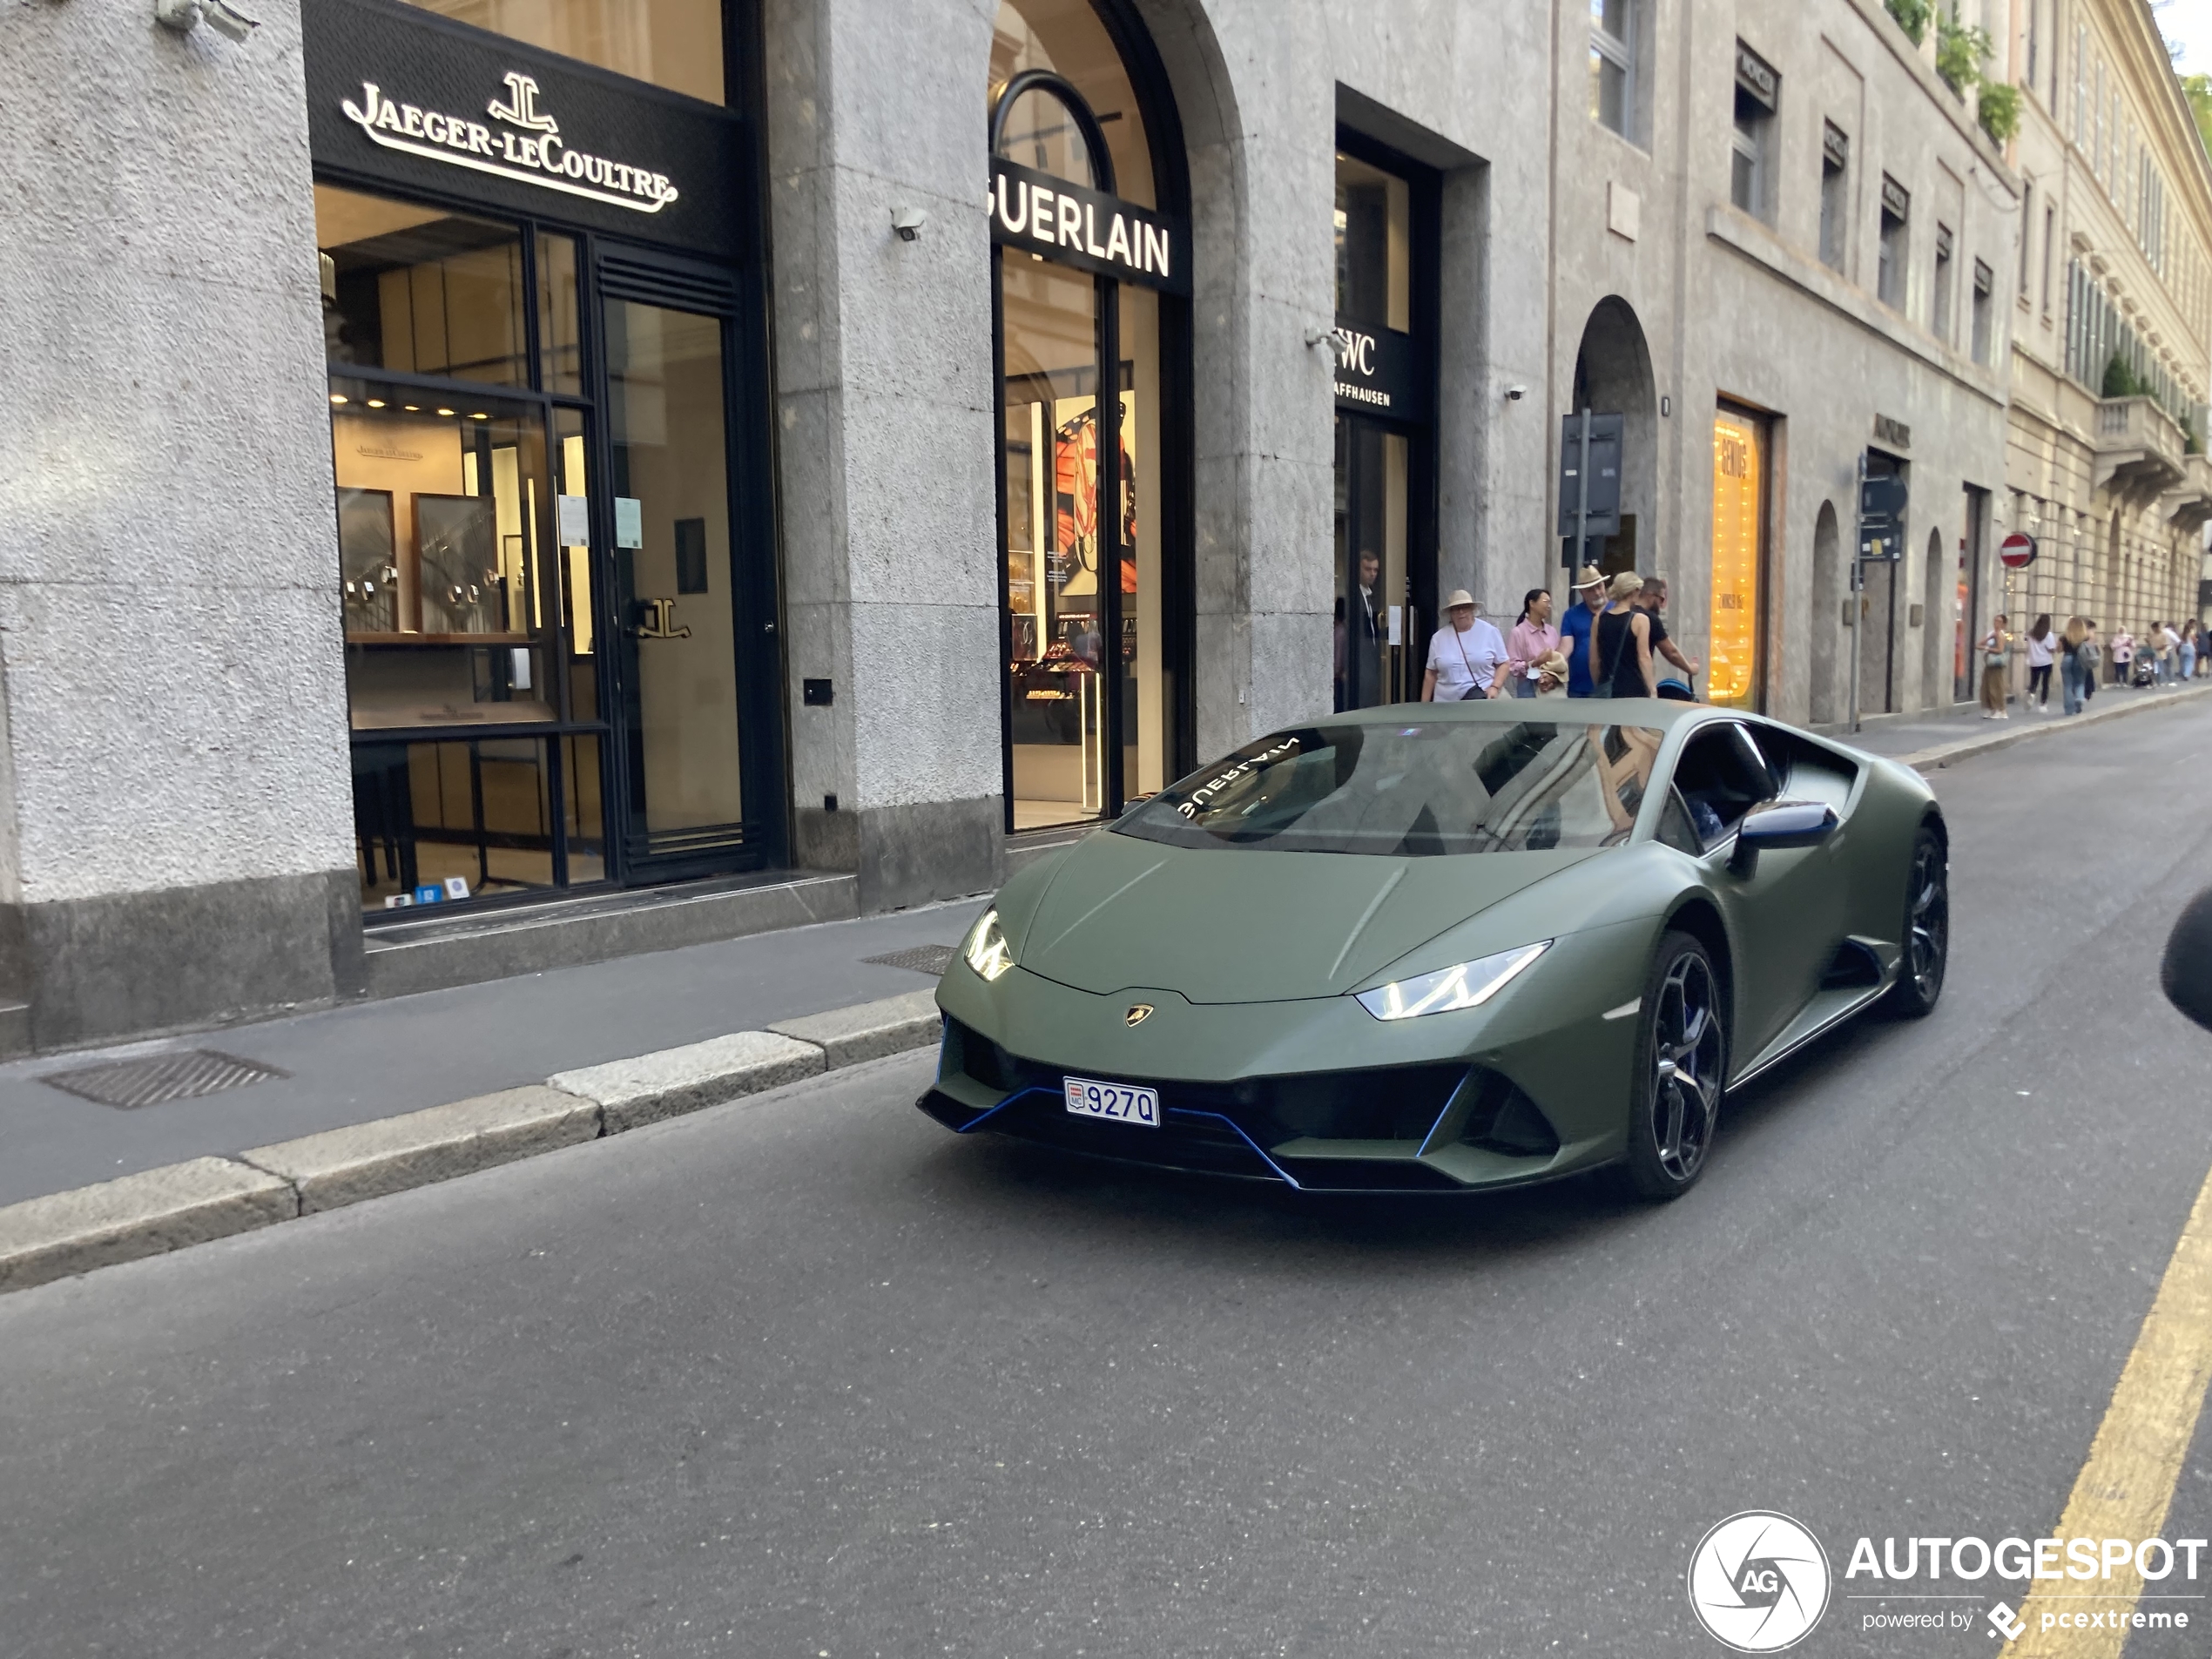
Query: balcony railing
[(2140, 449)]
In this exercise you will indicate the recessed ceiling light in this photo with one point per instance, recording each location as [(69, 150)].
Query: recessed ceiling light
[(480, 415), (445, 411), (413, 408), (376, 403), (337, 397)]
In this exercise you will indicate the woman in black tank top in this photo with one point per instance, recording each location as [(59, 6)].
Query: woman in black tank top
[(1621, 657)]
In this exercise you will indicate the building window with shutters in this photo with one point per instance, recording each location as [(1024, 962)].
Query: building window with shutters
[(1758, 92), (1890, 269), (1835, 195)]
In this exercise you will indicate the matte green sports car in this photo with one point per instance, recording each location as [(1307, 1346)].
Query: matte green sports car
[(1442, 946)]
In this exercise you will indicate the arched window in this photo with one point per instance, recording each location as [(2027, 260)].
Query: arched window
[(1090, 285)]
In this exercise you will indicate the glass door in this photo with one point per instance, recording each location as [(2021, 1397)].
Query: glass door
[(1377, 641), (689, 625)]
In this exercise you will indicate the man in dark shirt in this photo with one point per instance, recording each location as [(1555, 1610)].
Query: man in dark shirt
[(1587, 600), (1652, 601)]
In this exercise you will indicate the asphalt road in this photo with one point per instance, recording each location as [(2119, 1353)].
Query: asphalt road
[(807, 1375)]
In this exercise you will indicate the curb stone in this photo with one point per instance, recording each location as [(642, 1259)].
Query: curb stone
[(343, 1166), (47, 1238), (62, 1234), (1945, 754), (672, 1082)]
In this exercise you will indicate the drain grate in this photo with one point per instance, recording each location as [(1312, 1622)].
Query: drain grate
[(932, 960), (132, 1083)]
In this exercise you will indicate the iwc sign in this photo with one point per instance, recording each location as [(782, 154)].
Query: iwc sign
[(527, 147)]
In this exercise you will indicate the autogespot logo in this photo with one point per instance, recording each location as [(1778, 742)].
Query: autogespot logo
[(1758, 1581)]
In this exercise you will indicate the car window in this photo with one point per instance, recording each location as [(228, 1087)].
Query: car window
[(1424, 789), (1720, 776), (1675, 827)]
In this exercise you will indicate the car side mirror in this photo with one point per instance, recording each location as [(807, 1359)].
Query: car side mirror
[(1772, 826), (2187, 973)]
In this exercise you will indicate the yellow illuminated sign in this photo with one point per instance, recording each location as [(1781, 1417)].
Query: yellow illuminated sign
[(1732, 675)]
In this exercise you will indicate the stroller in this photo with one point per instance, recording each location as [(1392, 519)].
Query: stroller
[(2144, 670)]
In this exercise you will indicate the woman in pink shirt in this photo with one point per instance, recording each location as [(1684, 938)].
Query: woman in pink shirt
[(1532, 639)]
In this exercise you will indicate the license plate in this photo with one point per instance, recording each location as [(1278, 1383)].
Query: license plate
[(1122, 1103)]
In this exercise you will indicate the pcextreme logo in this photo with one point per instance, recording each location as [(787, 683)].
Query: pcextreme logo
[(1758, 1581)]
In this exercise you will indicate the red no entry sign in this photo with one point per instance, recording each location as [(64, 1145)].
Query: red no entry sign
[(2018, 550)]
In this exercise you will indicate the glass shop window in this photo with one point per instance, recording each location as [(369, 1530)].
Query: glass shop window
[(1374, 246), (463, 552), (675, 43), (419, 290)]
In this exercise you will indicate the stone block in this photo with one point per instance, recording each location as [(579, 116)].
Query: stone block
[(869, 1030), (43, 1240), (343, 1166), (672, 1081)]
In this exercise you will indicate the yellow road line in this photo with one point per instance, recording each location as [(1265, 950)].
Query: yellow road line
[(2126, 1486)]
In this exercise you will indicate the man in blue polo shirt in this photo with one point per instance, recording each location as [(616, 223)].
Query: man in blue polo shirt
[(1586, 600)]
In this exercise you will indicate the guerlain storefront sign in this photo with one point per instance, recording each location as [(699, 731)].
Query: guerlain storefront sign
[(1086, 228)]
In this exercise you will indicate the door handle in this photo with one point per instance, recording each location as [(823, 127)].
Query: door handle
[(655, 620)]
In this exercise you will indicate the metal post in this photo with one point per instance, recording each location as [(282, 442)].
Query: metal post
[(1858, 581), (1582, 498)]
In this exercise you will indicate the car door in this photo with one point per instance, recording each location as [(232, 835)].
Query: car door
[(1785, 918)]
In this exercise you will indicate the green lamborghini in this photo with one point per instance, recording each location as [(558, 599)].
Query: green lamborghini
[(1439, 947)]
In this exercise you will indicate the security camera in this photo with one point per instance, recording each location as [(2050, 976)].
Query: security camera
[(185, 16), (908, 221), (1515, 393)]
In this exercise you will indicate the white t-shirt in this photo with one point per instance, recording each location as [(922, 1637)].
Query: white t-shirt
[(2039, 650), (1465, 662)]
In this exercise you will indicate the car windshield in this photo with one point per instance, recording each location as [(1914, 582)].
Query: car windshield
[(1423, 790)]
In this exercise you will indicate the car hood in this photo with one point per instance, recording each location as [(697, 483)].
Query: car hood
[(1238, 925)]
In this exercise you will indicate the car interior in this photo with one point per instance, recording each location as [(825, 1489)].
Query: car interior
[(1720, 776)]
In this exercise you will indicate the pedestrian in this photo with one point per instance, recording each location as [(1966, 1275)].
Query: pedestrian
[(1996, 649), (2188, 651), (1586, 598), (1654, 601), (1622, 664), (2123, 653), (1365, 633), (2092, 654), (2041, 644), (1464, 656), (2169, 654), (1532, 639), (2074, 664)]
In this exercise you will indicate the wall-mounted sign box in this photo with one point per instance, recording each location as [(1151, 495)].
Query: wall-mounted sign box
[(1086, 228), (402, 97)]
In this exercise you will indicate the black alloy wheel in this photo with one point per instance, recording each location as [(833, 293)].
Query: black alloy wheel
[(1924, 949), (1682, 1061)]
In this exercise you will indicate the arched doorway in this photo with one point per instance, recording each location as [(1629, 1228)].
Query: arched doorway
[(1828, 611), (1613, 376), (1090, 287)]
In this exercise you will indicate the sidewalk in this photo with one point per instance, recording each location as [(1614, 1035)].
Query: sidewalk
[(372, 1060), (1920, 739)]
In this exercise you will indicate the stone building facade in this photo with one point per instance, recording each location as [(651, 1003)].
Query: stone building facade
[(501, 483), (2112, 360)]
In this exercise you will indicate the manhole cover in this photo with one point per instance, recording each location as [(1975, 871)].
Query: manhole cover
[(131, 1083), (932, 960)]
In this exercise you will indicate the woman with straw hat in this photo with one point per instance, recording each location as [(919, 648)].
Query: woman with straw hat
[(1464, 658)]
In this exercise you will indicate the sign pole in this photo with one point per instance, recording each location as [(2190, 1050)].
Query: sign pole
[(1858, 578), (1581, 496)]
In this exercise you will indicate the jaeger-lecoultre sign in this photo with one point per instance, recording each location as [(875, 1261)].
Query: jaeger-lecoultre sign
[(527, 146)]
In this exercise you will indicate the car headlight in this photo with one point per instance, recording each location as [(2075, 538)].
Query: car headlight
[(1468, 985), (985, 949)]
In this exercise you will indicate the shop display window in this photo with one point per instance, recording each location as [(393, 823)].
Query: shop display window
[(675, 43), (419, 291), (463, 515)]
